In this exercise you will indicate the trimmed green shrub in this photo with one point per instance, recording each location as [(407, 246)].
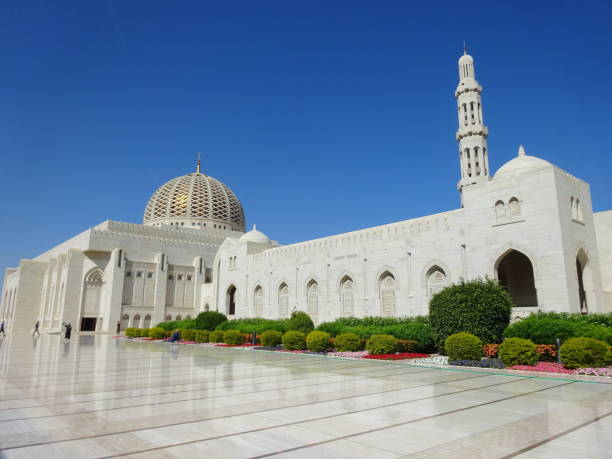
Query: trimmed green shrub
[(406, 345), (406, 328), (201, 336), (480, 307), (347, 342), (294, 340), (604, 320), (131, 332), (584, 352), (317, 341), (254, 325), (518, 351), (381, 344), (545, 328), (184, 324), (271, 338), (300, 321), (233, 337), (216, 336), (463, 346), (187, 335), (209, 320), (156, 333)]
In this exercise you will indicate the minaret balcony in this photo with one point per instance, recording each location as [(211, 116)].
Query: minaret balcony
[(476, 129)]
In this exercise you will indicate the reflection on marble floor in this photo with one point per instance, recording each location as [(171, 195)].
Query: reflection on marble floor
[(101, 397)]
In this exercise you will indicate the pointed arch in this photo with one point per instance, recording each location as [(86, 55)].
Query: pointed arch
[(125, 321), (283, 300), (312, 297), (347, 296), (436, 280), (258, 300), (584, 277), (387, 286), (92, 297), (147, 321), (230, 300), (136, 321), (515, 271)]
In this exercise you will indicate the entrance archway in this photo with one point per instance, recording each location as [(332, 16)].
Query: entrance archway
[(515, 273), (583, 271), (230, 301)]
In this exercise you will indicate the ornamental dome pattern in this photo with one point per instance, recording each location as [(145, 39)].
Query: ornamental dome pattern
[(195, 200)]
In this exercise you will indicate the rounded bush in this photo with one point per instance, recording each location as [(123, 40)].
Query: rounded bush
[(209, 320), (300, 321), (131, 332), (233, 337), (317, 341), (294, 341), (381, 344), (271, 338), (216, 336), (584, 352), (157, 333), (347, 342), (518, 351), (188, 335), (463, 346), (406, 345), (201, 336), (480, 307)]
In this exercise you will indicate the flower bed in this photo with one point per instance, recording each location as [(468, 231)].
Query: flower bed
[(548, 367), (606, 371), (399, 356), (484, 363), (348, 354), (236, 345)]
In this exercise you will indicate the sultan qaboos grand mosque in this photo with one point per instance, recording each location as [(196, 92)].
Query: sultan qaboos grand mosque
[(530, 226)]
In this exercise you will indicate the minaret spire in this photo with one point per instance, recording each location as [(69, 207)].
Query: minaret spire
[(472, 133), (198, 166)]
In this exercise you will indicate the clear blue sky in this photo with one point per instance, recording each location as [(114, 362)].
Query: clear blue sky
[(323, 117)]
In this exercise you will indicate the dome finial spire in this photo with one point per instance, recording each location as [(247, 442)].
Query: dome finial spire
[(521, 151), (198, 166), (464, 48)]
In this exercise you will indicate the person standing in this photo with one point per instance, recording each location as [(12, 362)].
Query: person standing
[(36, 325), (118, 327), (68, 333), (2, 328)]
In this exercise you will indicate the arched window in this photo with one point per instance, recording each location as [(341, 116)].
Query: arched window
[(313, 297), (346, 296), (125, 321), (500, 210), (573, 207), (578, 210), (387, 294), (515, 207), (136, 322), (436, 280), (147, 321), (206, 307), (188, 317), (168, 318), (283, 300), (258, 300), (179, 317)]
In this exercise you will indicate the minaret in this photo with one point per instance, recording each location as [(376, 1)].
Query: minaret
[(472, 133)]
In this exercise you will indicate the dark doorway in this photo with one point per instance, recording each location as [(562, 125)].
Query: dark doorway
[(515, 272), (88, 324), (231, 300), (584, 309)]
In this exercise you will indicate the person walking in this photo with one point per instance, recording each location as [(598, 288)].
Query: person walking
[(68, 333), (118, 327), (2, 328), (36, 325)]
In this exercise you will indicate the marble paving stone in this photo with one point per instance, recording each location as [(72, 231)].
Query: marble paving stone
[(101, 397)]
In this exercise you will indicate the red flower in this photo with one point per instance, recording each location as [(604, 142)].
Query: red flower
[(400, 356)]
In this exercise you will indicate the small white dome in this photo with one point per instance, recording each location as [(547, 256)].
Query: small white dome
[(521, 164), (466, 58), (255, 236)]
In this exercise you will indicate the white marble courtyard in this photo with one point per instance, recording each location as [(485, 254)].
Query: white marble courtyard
[(102, 397)]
